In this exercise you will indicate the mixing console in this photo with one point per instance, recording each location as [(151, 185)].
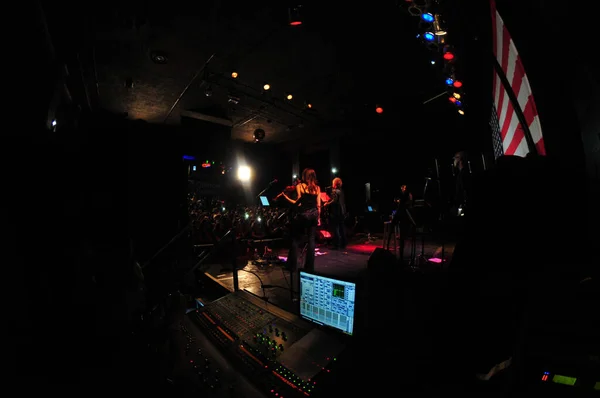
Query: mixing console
[(203, 370), (282, 354)]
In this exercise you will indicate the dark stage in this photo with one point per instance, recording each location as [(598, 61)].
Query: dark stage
[(430, 257)]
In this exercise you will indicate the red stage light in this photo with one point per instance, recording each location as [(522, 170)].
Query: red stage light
[(448, 56), (206, 165), (457, 84), (295, 23), (379, 109), (452, 99)]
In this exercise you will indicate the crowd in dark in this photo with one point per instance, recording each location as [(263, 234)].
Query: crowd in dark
[(213, 218)]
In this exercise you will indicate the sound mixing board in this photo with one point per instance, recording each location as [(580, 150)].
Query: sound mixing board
[(279, 353)]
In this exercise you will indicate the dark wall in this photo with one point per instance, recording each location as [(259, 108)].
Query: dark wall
[(320, 162), (206, 140), (157, 184)]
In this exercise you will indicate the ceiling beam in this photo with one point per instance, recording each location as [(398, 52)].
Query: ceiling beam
[(207, 118)]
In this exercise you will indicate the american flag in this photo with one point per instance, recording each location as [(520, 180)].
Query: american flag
[(511, 131)]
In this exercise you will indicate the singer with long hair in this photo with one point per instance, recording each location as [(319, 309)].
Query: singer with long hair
[(306, 218)]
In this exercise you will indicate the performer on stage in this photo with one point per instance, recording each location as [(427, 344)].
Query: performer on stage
[(400, 217), (463, 183), (305, 220), (337, 214)]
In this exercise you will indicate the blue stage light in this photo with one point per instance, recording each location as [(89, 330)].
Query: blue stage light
[(427, 17)]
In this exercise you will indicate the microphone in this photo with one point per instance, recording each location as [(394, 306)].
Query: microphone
[(274, 181)]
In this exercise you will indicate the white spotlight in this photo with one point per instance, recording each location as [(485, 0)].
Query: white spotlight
[(244, 173)]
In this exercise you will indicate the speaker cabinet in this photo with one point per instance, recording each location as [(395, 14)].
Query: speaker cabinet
[(382, 260)]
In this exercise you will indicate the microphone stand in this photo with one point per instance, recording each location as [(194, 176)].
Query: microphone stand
[(265, 190)]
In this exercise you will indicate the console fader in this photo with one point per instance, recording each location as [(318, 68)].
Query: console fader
[(282, 354)]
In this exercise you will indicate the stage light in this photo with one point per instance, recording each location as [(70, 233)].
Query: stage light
[(259, 135), (457, 84), (448, 54), (234, 75), (308, 105), (427, 17), (461, 111), (334, 170), (438, 26), (289, 97), (428, 36), (452, 99), (295, 19), (244, 173), (432, 62), (266, 87), (456, 95), (449, 81), (379, 109), (159, 57)]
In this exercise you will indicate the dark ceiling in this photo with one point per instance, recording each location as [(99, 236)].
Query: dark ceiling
[(343, 60)]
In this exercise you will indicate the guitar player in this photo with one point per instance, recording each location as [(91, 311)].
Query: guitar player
[(400, 216), (337, 215)]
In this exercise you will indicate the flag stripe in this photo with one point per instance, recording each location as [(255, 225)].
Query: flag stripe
[(511, 131)]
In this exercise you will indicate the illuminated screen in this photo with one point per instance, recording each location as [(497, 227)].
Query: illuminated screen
[(327, 301), (566, 380), (264, 201)]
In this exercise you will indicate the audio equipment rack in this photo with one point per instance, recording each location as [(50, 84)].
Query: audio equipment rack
[(283, 355)]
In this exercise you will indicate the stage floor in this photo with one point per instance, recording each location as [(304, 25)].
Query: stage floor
[(348, 263)]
